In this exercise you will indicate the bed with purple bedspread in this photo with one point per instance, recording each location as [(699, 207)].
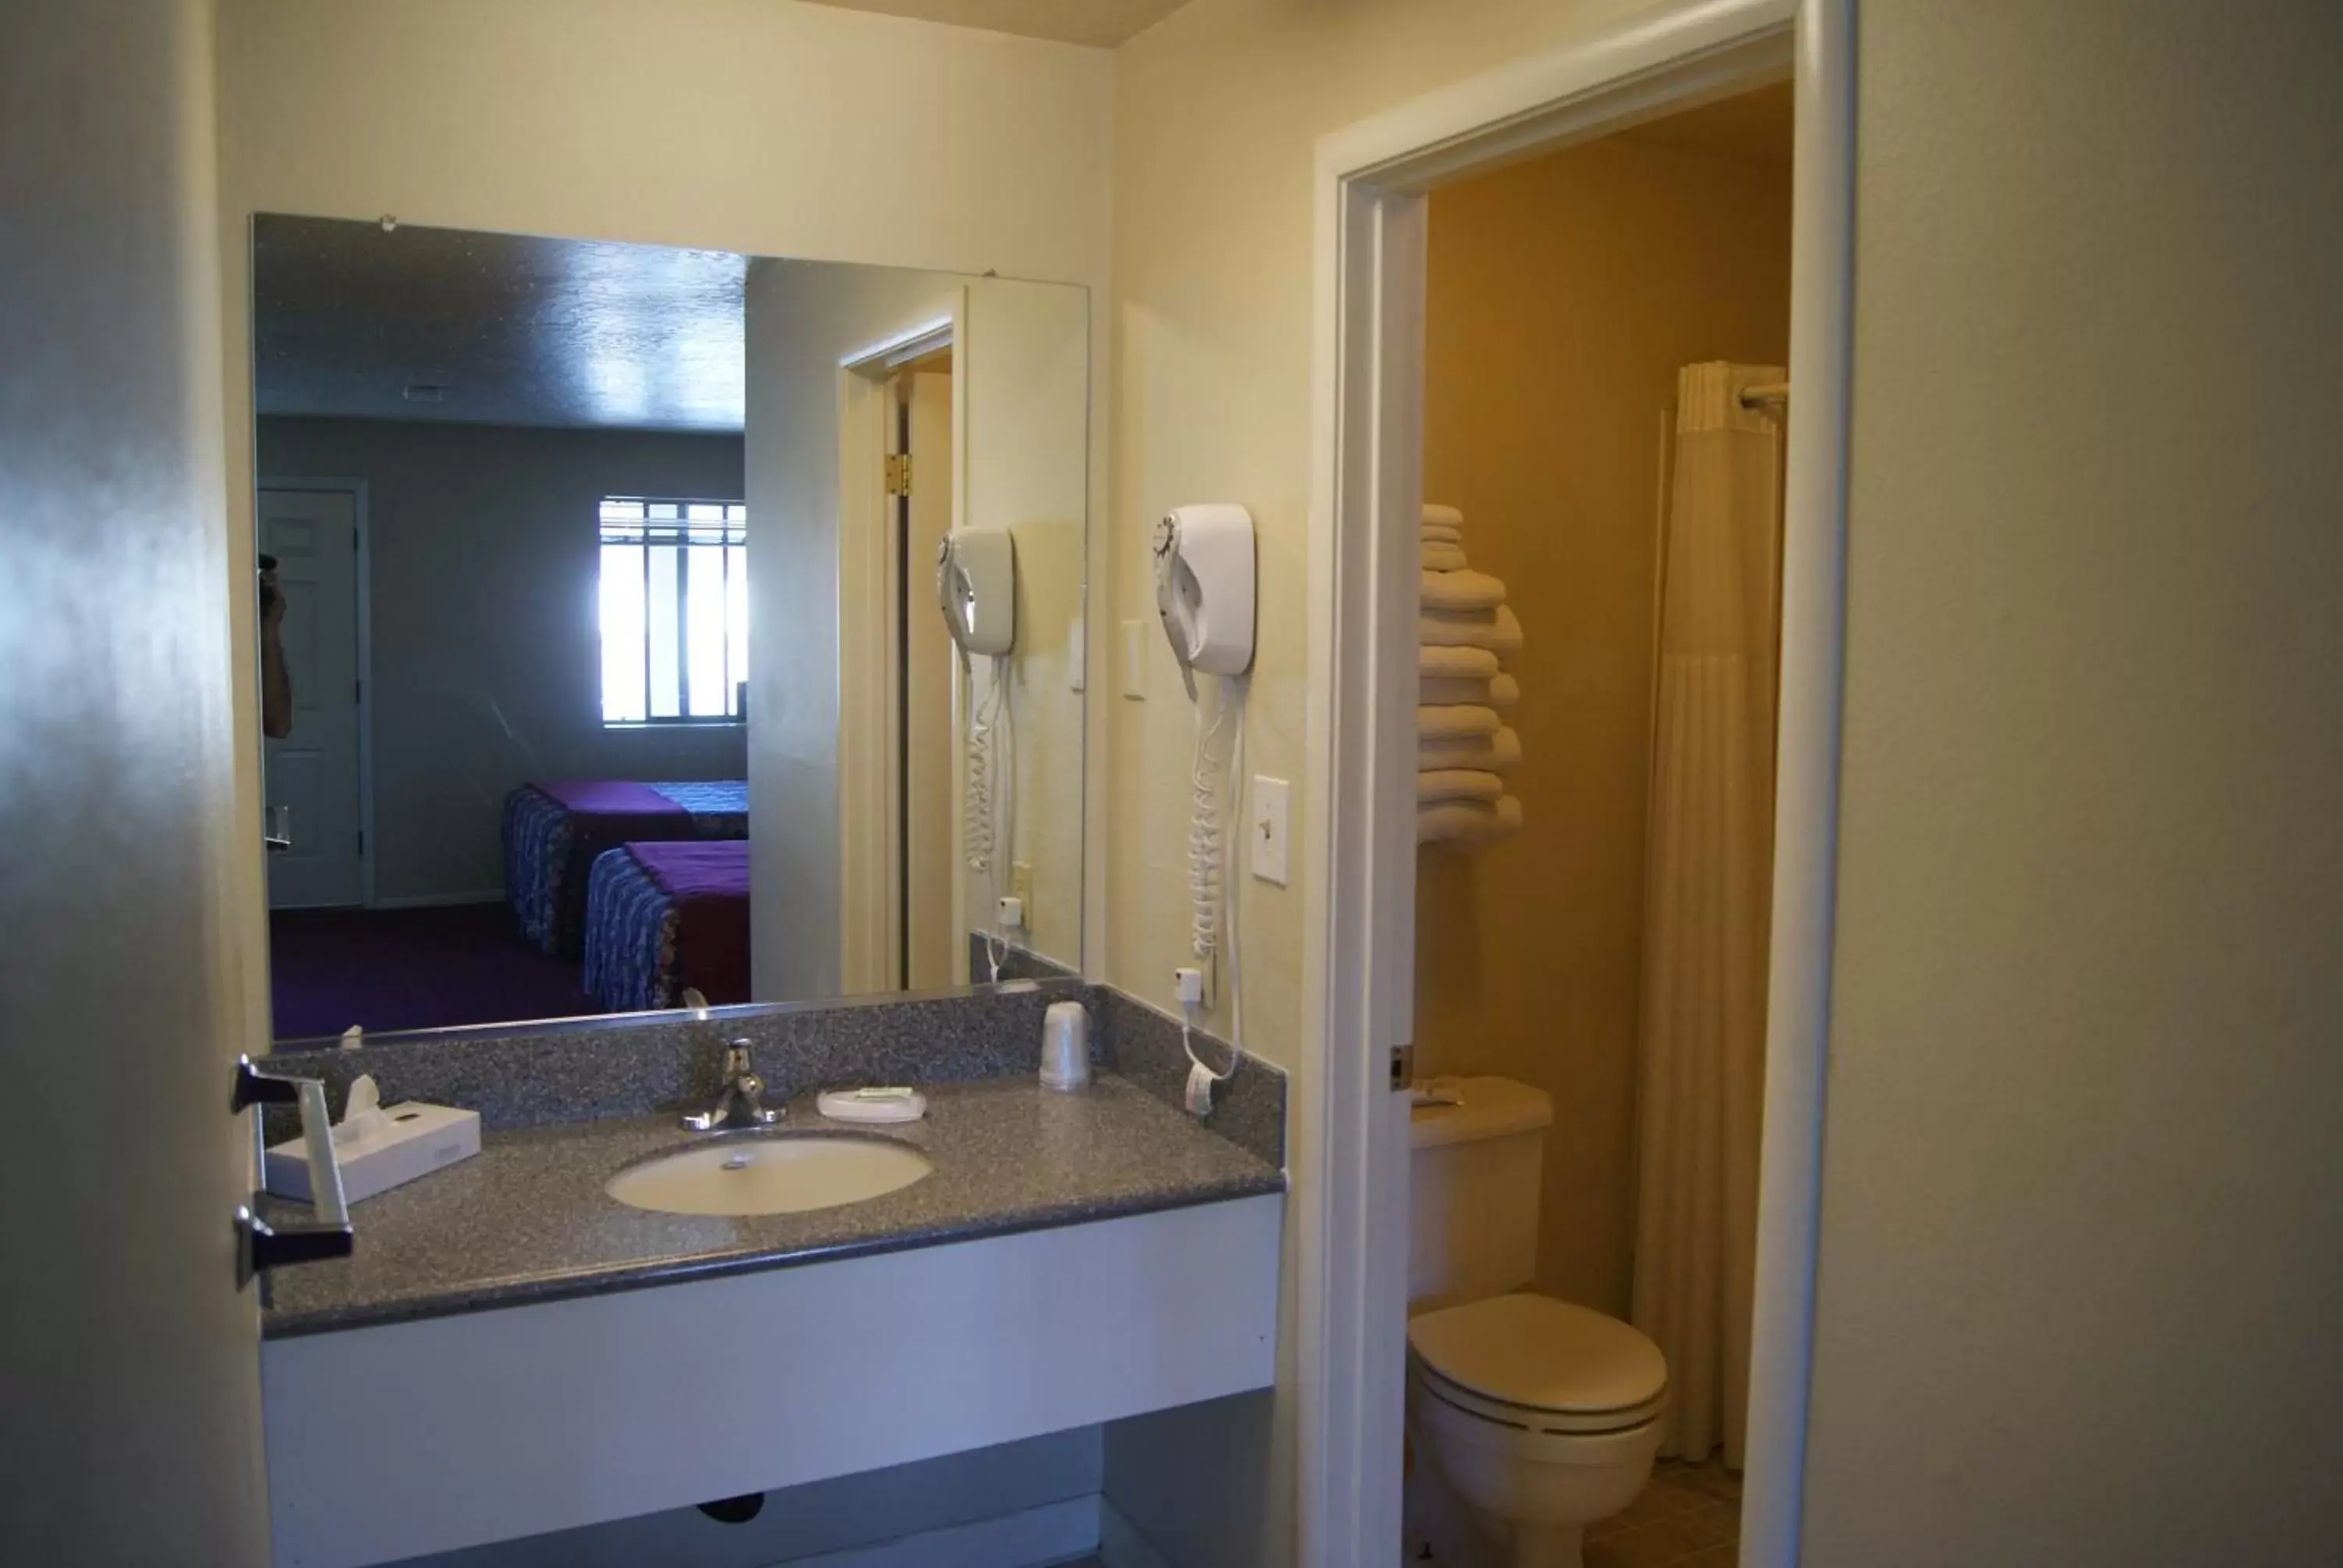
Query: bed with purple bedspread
[(553, 833), (664, 915)]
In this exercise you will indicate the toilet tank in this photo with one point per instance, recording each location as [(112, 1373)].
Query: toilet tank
[(1475, 1170)]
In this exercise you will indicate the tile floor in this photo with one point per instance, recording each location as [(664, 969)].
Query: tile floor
[(1688, 1517)]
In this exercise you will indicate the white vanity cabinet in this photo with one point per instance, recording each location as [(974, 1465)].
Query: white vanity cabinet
[(405, 1438)]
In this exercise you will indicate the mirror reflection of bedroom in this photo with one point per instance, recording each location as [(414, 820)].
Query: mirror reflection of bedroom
[(513, 496)]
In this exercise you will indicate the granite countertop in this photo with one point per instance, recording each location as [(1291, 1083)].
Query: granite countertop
[(526, 1220)]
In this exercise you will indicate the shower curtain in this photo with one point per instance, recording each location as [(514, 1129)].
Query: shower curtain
[(1707, 897)]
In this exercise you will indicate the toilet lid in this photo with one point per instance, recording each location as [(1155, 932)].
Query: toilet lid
[(1541, 1354)]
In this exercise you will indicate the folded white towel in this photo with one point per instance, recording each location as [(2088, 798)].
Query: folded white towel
[(1456, 663), (1442, 557), (1468, 824), (1458, 784), (1462, 590), (1438, 516), (1497, 691), (1442, 533), (1445, 723), (1498, 753), (1498, 630), (1436, 690)]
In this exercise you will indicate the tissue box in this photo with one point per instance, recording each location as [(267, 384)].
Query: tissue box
[(413, 1140)]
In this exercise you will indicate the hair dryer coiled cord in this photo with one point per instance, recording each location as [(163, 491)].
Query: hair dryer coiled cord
[(1212, 902), (987, 773), (976, 826), (1207, 836)]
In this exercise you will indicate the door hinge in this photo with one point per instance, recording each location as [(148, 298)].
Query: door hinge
[(1403, 1066), (357, 692), (899, 473)]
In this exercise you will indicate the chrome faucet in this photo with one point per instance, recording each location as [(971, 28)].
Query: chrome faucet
[(741, 1101)]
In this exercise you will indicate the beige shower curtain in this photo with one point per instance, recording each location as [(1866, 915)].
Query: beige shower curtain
[(1707, 899)]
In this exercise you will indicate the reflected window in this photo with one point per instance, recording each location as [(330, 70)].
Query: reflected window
[(675, 610)]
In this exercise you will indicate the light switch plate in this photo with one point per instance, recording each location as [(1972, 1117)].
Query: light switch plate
[(1134, 659), (1272, 828)]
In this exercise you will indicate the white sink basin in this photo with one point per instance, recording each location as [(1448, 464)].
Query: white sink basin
[(769, 1175)]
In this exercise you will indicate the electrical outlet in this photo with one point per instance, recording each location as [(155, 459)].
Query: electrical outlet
[(1020, 884), (1271, 825)]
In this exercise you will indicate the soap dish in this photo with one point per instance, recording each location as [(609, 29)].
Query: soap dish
[(871, 1104)]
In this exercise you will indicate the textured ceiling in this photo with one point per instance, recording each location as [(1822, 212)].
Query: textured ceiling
[(1105, 22), (513, 330)]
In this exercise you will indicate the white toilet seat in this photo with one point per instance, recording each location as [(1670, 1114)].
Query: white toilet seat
[(1533, 1418), (1539, 1365)]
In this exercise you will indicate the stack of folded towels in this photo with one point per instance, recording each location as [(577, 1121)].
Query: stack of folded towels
[(1463, 746)]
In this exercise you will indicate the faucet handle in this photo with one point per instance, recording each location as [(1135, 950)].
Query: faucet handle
[(750, 1109), (739, 1100)]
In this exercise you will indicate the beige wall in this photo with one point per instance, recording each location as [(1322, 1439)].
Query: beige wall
[(2082, 1196), (1217, 114), (1562, 296), (812, 132)]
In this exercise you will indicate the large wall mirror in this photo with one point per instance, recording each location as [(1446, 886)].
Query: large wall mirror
[(646, 628)]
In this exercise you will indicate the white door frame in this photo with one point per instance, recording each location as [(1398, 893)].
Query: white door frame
[(1358, 842), (357, 491), (869, 766)]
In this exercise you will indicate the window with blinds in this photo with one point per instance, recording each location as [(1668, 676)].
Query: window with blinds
[(675, 610)]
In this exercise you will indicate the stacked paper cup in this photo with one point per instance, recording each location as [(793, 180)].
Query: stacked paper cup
[(1464, 748)]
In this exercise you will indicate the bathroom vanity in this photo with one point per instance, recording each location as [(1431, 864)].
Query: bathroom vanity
[(511, 1350), (484, 806)]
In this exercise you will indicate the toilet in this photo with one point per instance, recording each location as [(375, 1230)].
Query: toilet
[(1542, 1415)]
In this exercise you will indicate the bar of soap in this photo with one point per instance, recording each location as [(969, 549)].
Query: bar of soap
[(871, 1104)]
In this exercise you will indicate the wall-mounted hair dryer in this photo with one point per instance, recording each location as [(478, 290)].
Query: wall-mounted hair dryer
[(1204, 588), (976, 583), (1204, 592)]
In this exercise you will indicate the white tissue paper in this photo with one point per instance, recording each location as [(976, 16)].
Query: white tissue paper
[(379, 1146)]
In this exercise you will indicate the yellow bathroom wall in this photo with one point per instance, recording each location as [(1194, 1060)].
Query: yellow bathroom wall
[(1563, 294)]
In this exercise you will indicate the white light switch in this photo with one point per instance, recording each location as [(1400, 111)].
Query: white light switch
[(1272, 807), (1134, 658)]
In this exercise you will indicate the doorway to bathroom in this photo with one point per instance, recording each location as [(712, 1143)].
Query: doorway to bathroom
[(902, 437), (1606, 329), (1692, 85), (919, 482)]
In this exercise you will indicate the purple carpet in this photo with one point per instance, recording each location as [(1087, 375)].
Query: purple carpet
[(411, 968)]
